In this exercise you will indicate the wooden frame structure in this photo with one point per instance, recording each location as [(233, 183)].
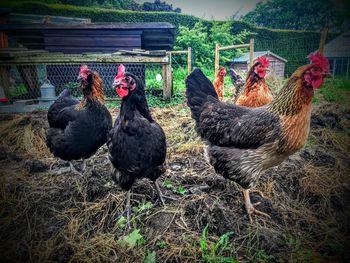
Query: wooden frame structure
[(218, 49), (35, 57), (189, 53)]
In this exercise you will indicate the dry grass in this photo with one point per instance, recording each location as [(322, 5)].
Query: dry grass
[(58, 216), (25, 134)]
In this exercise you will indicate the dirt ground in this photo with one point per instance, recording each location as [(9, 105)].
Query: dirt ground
[(48, 214)]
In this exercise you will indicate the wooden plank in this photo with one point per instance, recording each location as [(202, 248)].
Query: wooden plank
[(189, 60), (95, 42), (251, 52), (323, 38), (11, 54), (57, 59), (90, 32), (167, 82), (134, 52), (233, 47), (179, 52), (79, 50), (217, 58)]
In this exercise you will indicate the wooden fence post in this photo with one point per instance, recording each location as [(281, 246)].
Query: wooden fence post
[(167, 80), (251, 52), (323, 40), (217, 59), (189, 60)]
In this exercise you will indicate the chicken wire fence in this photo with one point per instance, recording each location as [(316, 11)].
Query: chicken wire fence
[(293, 50), (23, 81)]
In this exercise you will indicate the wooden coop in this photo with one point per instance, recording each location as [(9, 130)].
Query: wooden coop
[(277, 63), (61, 47)]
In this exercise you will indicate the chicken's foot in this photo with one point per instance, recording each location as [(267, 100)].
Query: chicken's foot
[(160, 195), (251, 207)]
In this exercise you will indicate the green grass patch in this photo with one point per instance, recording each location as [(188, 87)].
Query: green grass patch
[(334, 90)]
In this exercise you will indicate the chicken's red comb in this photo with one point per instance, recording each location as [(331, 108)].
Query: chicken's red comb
[(83, 68), (264, 61), (320, 60), (121, 71)]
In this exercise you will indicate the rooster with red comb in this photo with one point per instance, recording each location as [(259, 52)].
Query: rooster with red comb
[(243, 142)]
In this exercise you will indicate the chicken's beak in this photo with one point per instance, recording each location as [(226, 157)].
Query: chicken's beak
[(79, 78), (116, 83)]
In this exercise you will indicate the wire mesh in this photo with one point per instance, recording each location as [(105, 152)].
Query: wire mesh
[(24, 81)]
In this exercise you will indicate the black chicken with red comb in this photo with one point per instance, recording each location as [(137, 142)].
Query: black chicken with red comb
[(136, 144), (78, 129)]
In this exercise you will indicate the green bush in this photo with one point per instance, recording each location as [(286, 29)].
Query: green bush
[(203, 41)]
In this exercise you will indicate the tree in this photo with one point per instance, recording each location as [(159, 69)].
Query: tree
[(159, 7), (296, 14), (203, 40)]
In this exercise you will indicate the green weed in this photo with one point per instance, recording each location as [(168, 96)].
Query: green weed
[(213, 253), (133, 239)]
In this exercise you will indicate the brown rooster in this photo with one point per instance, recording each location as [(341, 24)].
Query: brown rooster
[(243, 142), (256, 93), (219, 82)]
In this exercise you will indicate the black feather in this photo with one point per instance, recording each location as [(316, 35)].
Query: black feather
[(233, 133), (73, 133), (198, 90)]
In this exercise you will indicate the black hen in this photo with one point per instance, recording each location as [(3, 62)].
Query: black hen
[(78, 130), (136, 144)]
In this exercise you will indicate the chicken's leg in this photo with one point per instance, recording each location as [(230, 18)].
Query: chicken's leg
[(128, 210), (160, 195), (251, 207), (83, 166)]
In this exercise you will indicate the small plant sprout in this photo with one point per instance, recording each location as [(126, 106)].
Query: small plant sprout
[(133, 239)]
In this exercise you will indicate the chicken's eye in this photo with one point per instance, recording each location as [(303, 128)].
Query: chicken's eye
[(316, 71)]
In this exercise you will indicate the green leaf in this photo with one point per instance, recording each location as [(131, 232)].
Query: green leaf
[(203, 240), (167, 184), (222, 243), (150, 258), (121, 222), (161, 244), (181, 190), (133, 239), (142, 207)]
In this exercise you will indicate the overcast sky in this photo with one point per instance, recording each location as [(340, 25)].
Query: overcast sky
[(208, 9)]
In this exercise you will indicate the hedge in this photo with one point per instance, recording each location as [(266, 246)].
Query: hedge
[(100, 14)]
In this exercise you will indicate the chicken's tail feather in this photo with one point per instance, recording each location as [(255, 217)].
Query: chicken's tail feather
[(199, 89)]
